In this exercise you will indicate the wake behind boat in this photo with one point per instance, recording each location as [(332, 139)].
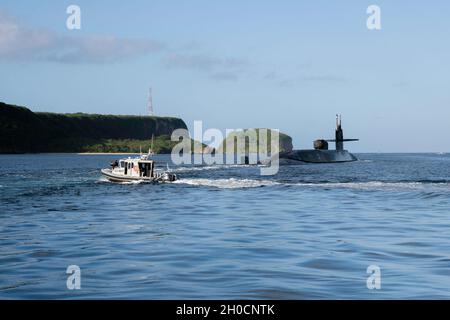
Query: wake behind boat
[(137, 169)]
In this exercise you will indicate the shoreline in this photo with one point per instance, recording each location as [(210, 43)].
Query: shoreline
[(105, 153)]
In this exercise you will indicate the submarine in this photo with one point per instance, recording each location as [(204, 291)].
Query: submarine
[(320, 153)]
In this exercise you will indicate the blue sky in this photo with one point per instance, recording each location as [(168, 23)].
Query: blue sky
[(290, 65)]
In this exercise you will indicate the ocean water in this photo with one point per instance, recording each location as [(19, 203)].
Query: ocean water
[(225, 232)]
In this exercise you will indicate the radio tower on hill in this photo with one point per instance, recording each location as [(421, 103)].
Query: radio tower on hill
[(150, 103)]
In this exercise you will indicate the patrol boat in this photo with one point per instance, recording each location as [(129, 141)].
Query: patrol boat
[(137, 169)]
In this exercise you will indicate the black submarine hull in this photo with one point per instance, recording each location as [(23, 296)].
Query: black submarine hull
[(320, 153), (316, 156)]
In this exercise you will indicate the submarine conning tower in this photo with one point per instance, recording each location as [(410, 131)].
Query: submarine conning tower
[(339, 135)]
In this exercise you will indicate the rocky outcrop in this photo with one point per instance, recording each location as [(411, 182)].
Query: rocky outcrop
[(252, 142)]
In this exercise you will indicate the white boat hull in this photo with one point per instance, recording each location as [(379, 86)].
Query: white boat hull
[(159, 177)]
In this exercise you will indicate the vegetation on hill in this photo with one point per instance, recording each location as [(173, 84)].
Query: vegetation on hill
[(24, 131), (252, 142)]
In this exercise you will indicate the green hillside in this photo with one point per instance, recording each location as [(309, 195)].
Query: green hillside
[(24, 131), (230, 145)]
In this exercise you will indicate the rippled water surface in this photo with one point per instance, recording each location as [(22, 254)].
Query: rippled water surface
[(308, 232)]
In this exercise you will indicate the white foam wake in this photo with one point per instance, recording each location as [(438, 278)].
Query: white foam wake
[(231, 183), (210, 167), (195, 168)]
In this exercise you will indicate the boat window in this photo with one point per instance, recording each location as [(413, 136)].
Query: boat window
[(148, 170)]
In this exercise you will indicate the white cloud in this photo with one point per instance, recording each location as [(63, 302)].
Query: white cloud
[(18, 42), (224, 76), (185, 61), (21, 43), (221, 69)]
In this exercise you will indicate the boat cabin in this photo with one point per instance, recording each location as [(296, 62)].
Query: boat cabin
[(134, 167)]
